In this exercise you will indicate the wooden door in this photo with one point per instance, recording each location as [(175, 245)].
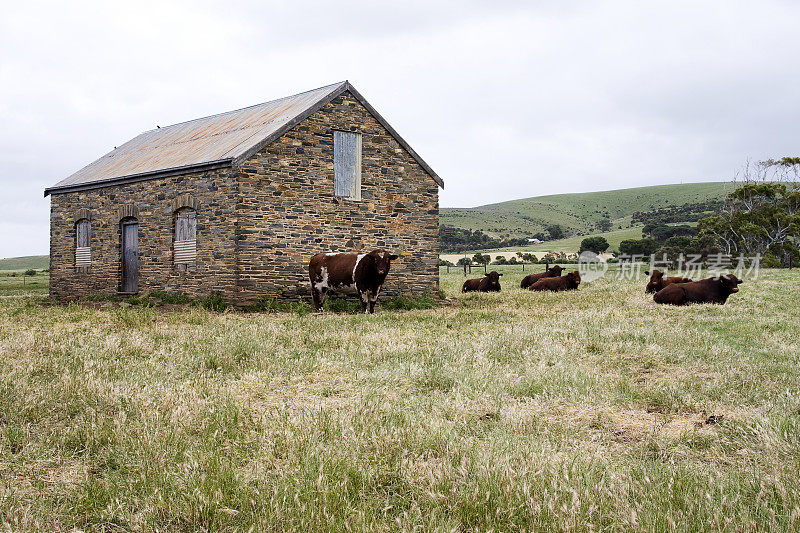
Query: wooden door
[(130, 256)]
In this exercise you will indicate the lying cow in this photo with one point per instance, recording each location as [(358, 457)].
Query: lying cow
[(530, 279), (364, 272), (710, 290), (561, 283), (658, 281), (488, 283)]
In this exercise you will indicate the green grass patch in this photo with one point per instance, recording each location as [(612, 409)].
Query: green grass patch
[(408, 303)]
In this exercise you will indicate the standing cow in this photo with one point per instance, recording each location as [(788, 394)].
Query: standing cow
[(530, 279), (364, 272), (488, 283), (706, 291), (658, 281)]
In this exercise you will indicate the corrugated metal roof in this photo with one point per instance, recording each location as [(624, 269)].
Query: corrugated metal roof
[(218, 140)]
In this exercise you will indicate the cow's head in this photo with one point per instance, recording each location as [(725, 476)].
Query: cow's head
[(574, 279), (656, 278), (730, 283), (493, 277), (555, 271), (382, 261)]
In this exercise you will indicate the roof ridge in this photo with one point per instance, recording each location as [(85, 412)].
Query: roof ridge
[(332, 85)]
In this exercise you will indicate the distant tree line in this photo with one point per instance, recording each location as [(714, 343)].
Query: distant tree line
[(689, 212), (456, 240)]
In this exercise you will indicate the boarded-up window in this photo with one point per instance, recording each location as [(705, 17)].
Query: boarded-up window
[(185, 246), (83, 250), (347, 164)]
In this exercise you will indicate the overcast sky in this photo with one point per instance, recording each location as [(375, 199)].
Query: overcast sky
[(504, 99)]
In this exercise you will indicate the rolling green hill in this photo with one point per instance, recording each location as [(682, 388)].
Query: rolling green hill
[(39, 262), (577, 212)]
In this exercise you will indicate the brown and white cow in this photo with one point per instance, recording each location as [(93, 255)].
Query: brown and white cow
[(489, 283), (363, 272), (530, 279), (658, 281)]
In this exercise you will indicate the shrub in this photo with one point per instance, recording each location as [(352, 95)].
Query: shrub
[(597, 245), (176, 298), (273, 305), (407, 303), (212, 302), (770, 261), (644, 247), (30, 272)]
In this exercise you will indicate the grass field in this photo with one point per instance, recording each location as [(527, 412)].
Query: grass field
[(38, 262), (519, 410), (579, 211)]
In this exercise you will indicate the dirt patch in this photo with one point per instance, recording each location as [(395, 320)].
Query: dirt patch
[(320, 390), (630, 425)]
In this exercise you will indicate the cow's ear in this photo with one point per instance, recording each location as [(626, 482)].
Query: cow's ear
[(394, 257), (739, 280)]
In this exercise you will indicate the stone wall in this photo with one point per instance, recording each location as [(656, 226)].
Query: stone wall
[(153, 203), (288, 211), (258, 225)]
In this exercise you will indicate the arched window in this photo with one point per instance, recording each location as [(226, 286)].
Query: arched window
[(83, 250), (185, 245)]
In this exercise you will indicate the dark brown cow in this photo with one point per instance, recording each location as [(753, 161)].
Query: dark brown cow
[(530, 279), (710, 290), (562, 283), (658, 281), (488, 283), (364, 272)]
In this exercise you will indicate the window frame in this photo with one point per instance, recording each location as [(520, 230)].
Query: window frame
[(83, 254), (184, 251), (340, 165)]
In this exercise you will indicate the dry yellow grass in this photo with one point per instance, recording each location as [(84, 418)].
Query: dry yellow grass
[(518, 410)]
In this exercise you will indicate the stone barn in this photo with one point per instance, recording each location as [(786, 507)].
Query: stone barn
[(237, 203)]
